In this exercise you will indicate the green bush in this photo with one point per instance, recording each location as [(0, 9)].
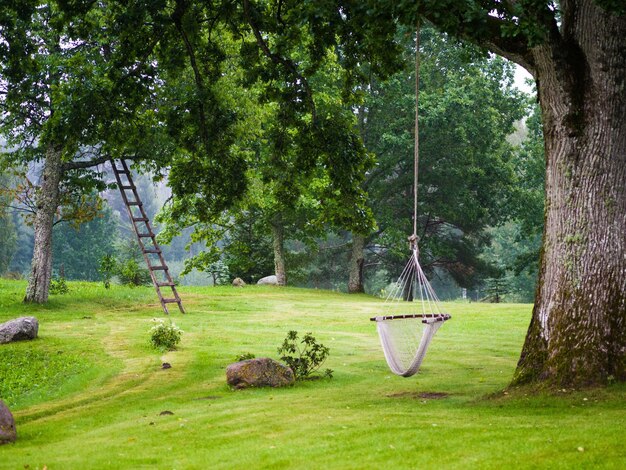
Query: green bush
[(165, 336), (58, 286), (304, 357), (107, 268), (131, 274)]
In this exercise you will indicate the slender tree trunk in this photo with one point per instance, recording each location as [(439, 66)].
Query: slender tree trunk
[(577, 335), (357, 260), (278, 235), (47, 204)]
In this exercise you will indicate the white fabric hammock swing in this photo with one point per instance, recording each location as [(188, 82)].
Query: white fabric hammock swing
[(412, 316), (412, 312)]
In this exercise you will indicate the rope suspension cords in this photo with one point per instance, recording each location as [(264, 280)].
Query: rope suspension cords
[(412, 312)]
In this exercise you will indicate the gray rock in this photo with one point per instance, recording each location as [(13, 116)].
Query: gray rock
[(19, 329), (238, 282), (259, 372), (7, 425), (268, 281)]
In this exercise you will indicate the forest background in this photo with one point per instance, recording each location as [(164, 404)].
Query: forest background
[(481, 197)]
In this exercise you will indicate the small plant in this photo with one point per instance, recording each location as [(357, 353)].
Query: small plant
[(131, 274), (58, 286), (244, 357), (165, 336), (305, 356), (107, 269)]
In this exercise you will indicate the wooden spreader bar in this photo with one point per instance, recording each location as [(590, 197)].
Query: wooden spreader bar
[(143, 230), (426, 317)]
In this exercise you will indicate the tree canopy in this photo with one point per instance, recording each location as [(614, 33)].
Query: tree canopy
[(468, 106)]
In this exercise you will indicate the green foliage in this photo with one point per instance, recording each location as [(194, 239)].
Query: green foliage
[(304, 356), (22, 255), (130, 265), (98, 84), (9, 244), (165, 335), (8, 238), (297, 137), (130, 273), (76, 89), (466, 173), (81, 248), (248, 251), (245, 356), (509, 246), (108, 267), (58, 286), (219, 272), (319, 265), (529, 194)]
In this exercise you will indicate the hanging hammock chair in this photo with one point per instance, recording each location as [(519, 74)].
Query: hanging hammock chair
[(412, 312), (412, 316)]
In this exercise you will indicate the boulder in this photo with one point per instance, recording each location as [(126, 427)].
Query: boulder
[(19, 329), (238, 282), (268, 281), (7, 425), (259, 372)]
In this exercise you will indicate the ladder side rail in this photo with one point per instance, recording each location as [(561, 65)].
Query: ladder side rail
[(156, 248), (163, 267), (139, 204)]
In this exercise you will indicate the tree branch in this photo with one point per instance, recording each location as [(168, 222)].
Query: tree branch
[(96, 161), (491, 32), (85, 164)]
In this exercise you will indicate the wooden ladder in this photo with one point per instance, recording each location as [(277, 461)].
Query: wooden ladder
[(150, 249)]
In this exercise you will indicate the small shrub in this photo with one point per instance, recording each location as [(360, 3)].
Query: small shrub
[(107, 269), (131, 274), (165, 336), (305, 356), (244, 357), (58, 286)]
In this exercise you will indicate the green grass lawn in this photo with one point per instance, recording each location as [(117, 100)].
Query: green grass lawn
[(89, 392)]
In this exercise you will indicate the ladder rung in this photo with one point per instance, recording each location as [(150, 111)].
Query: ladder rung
[(140, 219), (117, 170), (170, 301), (128, 187), (135, 203), (165, 284), (152, 250), (145, 235), (158, 268)]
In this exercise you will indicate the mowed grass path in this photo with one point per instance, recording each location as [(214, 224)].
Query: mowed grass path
[(101, 405)]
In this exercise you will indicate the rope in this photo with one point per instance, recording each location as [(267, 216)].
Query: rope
[(413, 238)]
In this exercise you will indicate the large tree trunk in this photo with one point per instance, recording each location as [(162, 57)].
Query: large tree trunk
[(278, 235), (357, 260), (577, 335), (47, 203)]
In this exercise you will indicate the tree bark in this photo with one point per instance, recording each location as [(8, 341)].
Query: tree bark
[(278, 236), (577, 334), (357, 260), (47, 205)]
